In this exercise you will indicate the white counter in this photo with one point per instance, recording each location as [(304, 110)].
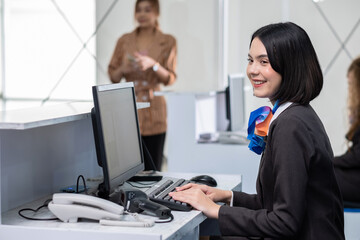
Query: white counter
[(45, 148), (21, 119)]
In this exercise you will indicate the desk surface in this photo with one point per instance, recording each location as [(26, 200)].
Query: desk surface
[(183, 221)]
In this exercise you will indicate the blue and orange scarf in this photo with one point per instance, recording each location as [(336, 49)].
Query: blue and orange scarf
[(258, 127)]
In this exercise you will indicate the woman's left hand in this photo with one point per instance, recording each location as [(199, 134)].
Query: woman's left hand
[(144, 62), (197, 198)]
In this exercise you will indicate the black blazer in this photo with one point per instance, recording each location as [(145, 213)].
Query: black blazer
[(347, 170), (297, 193)]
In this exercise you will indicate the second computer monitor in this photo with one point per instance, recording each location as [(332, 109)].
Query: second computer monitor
[(236, 102)]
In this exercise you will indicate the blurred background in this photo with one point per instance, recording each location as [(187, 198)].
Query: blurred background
[(54, 51)]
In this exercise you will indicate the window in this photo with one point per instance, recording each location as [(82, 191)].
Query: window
[(48, 51)]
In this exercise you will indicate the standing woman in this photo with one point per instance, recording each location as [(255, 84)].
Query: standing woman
[(347, 166), (147, 57), (297, 193)]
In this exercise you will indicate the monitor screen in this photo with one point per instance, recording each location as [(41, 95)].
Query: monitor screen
[(235, 102), (117, 134)]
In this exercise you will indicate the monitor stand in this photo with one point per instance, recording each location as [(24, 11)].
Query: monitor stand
[(150, 175)]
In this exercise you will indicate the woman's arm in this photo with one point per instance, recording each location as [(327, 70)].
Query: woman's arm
[(351, 159), (166, 67), (241, 199), (146, 62), (202, 197), (118, 65), (171, 62)]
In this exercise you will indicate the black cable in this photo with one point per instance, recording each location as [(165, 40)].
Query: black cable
[(84, 183), (36, 210), (148, 154), (166, 221)]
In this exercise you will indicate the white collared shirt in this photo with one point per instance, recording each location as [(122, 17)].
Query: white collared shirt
[(280, 109)]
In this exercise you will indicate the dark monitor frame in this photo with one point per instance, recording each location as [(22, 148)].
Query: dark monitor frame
[(235, 102), (108, 185)]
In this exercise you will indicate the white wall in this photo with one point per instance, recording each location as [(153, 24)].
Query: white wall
[(195, 24)]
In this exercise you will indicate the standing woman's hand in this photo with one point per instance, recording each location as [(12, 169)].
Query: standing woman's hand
[(144, 62), (130, 64)]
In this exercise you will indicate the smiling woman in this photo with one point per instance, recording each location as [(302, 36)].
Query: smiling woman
[(297, 193)]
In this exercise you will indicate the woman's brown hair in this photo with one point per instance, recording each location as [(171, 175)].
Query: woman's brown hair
[(155, 5), (354, 98)]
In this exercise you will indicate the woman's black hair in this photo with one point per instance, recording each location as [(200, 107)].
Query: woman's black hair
[(292, 55)]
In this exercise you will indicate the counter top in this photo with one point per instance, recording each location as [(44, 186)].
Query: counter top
[(28, 118)]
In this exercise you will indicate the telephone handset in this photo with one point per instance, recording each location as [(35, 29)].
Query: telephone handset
[(68, 207)]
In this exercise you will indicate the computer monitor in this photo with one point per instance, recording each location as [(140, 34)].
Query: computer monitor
[(235, 102), (117, 134)]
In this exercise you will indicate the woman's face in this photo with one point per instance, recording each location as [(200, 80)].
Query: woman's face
[(264, 79), (145, 14)]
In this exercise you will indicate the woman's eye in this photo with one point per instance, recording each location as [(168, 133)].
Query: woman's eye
[(249, 60)]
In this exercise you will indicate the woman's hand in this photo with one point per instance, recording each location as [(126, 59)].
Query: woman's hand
[(129, 64), (194, 196), (144, 62), (202, 197), (215, 194)]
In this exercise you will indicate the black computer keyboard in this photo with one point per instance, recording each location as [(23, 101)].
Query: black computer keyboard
[(160, 193)]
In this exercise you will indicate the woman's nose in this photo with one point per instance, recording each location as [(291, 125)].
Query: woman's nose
[(253, 69)]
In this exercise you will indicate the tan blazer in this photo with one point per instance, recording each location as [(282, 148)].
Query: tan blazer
[(152, 120)]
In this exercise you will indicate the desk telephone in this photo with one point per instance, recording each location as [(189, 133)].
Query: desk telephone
[(68, 207)]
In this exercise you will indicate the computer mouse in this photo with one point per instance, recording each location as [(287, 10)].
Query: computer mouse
[(204, 179)]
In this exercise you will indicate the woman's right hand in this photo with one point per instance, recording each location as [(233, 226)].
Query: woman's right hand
[(202, 198), (125, 68), (215, 194), (129, 64)]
